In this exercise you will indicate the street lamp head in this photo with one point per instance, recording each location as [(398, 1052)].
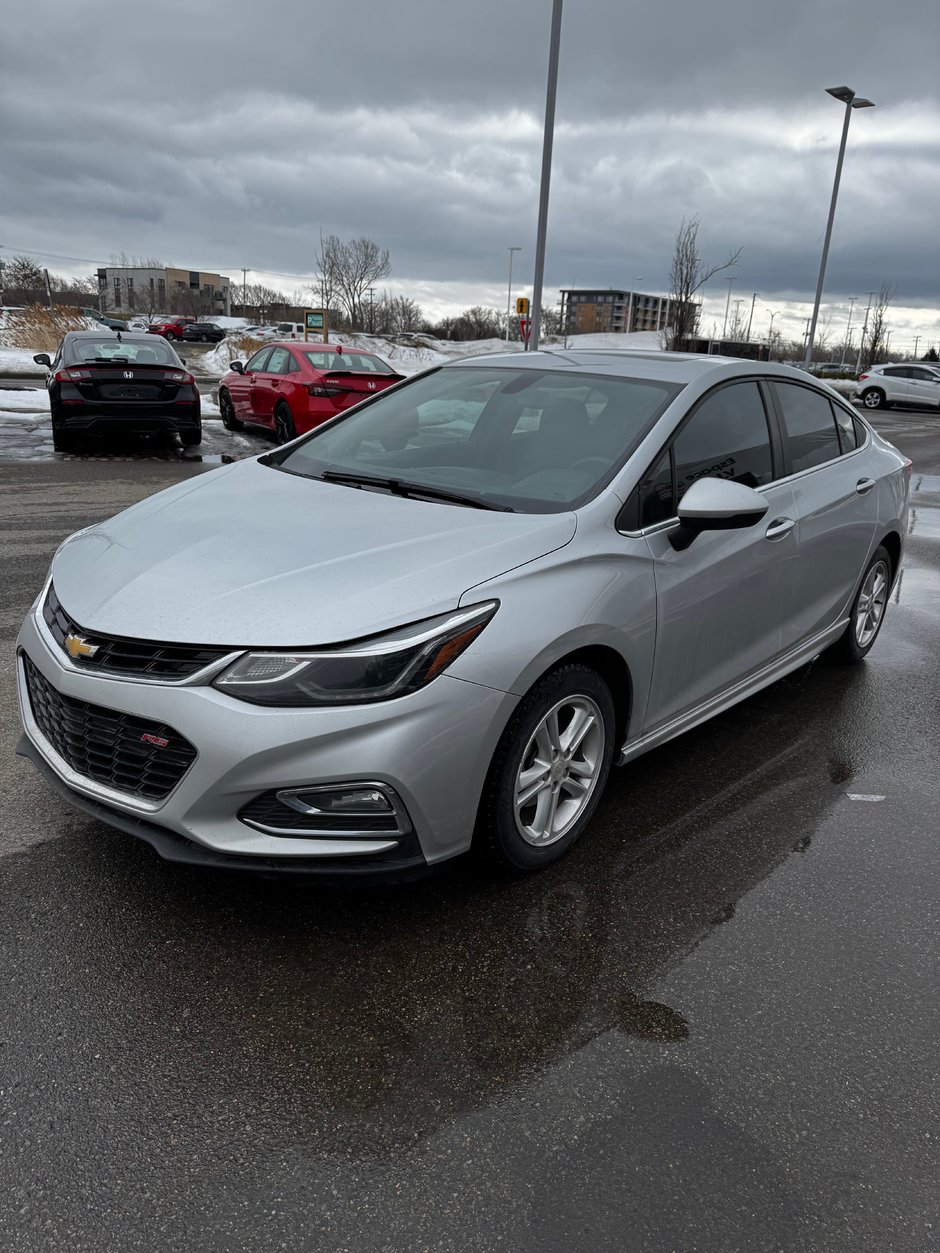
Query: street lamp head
[(845, 94), (861, 103)]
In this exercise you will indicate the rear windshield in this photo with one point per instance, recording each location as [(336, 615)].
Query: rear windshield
[(537, 441), (357, 362), (149, 351)]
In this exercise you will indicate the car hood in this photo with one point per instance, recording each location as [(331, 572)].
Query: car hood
[(249, 555)]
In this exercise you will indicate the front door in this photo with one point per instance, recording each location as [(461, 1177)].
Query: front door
[(239, 385), (723, 603), (924, 386), (266, 386)]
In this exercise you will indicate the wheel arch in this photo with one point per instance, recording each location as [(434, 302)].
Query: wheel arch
[(891, 541), (615, 672)]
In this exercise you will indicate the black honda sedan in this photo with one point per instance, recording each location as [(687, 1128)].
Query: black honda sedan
[(203, 332), (102, 383)]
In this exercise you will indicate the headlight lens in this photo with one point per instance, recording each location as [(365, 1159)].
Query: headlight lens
[(383, 667)]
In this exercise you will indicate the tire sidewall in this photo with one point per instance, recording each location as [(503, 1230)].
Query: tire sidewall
[(290, 429), (848, 646), (881, 400), (497, 835)]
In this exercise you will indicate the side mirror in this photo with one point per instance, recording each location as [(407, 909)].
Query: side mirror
[(237, 367), (42, 358), (182, 360), (716, 505)]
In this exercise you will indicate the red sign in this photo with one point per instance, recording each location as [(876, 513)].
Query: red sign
[(525, 325)]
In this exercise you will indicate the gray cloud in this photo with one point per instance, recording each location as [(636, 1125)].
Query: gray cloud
[(227, 137)]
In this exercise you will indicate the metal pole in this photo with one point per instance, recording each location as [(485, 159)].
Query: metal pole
[(848, 328), (861, 342), (807, 359), (917, 339), (750, 318), (724, 328), (554, 44), (509, 295)]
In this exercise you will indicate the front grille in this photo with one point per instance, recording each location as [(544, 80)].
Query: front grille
[(107, 746), (124, 658)]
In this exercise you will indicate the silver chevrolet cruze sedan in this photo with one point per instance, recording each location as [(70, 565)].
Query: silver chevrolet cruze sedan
[(440, 618)]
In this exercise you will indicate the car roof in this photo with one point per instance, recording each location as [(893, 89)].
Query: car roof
[(664, 367)]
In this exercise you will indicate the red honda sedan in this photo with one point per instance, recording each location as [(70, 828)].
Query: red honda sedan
[(293, 387)]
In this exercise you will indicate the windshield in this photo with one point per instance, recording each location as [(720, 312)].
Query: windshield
[(537, 441), (357, 362), (149, 351)]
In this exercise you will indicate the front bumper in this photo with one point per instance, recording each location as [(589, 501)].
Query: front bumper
[(432, 748)]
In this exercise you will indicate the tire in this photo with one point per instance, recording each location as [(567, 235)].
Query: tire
[(868, 611), (170, 334), (203, 339), (229, 421), (873, 398), (528, 833), (191, 439), (62, 442), (284, 429)]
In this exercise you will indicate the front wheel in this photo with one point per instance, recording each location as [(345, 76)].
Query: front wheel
[(548, 771), (868, 611), (874, 399), (227, 410), (203, 339), (284, 429)]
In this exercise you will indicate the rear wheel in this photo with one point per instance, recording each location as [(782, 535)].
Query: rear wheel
[(203, 339), (191, 439), (868, 611), (170, 334), (548, 771), (62, 442), (874, 399), (227, 410), (284, 428)]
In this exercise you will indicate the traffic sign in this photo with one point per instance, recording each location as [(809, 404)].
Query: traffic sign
[(522, 306)]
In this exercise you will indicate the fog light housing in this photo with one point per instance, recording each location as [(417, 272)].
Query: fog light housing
[(363, 809), (350, 802)]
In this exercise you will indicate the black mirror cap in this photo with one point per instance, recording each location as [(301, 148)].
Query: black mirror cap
[(689, 528), (42, 358), (237, 367)]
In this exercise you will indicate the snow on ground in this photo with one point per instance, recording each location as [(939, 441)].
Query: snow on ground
[(18, 361), (24, 400)]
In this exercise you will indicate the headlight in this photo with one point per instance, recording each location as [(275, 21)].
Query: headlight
[(380, 668)]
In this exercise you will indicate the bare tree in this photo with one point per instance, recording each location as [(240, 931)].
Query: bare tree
[(688, 273), (346, 269), (397, 314), (23, 281), (878, 332)]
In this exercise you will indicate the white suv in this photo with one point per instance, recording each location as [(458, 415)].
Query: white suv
[(916, 384)]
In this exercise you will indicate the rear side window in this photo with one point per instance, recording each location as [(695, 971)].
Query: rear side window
[(279, 362), (848, 429), (809, 426)]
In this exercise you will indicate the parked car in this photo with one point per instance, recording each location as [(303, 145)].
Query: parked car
[(105, 384), (291, 388), (170, 328), (113, 324), (203, 332), (895, 384), (368, 674)]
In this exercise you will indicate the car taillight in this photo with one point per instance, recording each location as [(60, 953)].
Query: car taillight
[(314, 389), (71, 376), (862, 377), (908, 467), (179, 376)]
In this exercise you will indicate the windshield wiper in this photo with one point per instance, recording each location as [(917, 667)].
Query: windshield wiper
[(402, 487)]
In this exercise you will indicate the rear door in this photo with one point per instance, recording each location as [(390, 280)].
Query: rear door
[(836, 505), (897, 384)]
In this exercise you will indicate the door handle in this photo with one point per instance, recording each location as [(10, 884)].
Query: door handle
[(864, 485), (779, 527)]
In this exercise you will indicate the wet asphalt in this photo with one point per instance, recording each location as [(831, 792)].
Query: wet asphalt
[(713, 1026)]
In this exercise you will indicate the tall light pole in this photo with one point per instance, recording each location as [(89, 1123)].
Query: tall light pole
[(549, 134), (770, 334), (861, 342), (851, 101), (724, 329), (751, 317), (917, 339), (509, 293), (848, 329)]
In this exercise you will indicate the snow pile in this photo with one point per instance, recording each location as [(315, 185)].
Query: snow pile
[(18, 361)]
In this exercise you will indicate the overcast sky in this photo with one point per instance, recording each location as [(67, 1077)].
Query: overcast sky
[(227, 134)]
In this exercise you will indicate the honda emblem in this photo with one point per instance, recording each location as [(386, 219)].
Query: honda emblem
[(128, 374)]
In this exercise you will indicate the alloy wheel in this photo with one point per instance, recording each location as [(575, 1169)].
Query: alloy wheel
[(872, 600), (559, 770)]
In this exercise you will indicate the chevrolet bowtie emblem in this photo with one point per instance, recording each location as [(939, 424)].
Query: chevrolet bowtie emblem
[(77, 647)]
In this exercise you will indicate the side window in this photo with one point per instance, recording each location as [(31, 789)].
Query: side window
[(845, 421), (809, 426), (278, 362), (726, 438), (258, 360), (898, 372)]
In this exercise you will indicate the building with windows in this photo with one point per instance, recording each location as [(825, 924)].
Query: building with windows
[(605, 309), (143, 290)]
